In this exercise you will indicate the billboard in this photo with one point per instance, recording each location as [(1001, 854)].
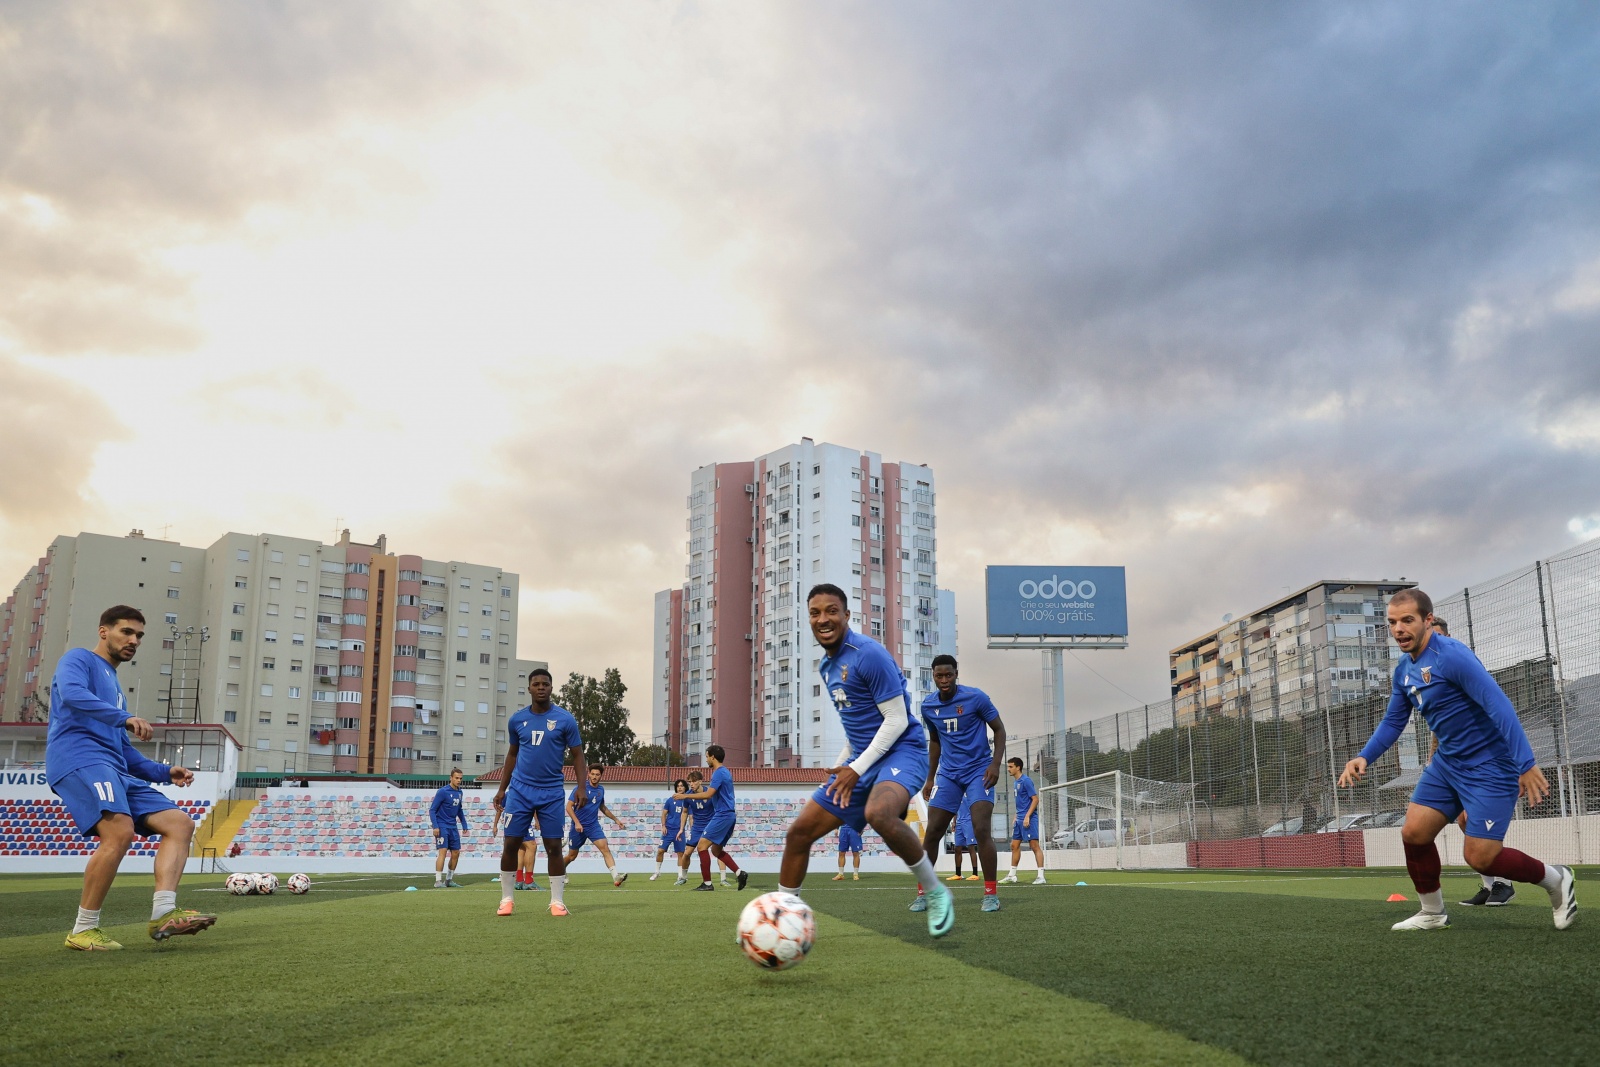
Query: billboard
[(1049, 602)]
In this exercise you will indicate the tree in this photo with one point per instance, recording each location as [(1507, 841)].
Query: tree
[(655, 756), (603, 721)]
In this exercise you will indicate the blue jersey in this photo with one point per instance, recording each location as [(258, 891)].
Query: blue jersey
[(1025, 792), (859, 677), (674, 812), (588, 813), (961, 726), (542, 742), (445, 811), (699, 811), (722, 782), (87, 713), (1461, 703)]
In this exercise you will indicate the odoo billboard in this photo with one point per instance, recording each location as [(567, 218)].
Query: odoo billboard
[(1057, 601)]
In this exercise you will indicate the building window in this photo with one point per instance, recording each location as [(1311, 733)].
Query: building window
[(238, 609), (483, 708), (242, 555), (272, 609), (461, 657), (270, 636), (458, 731), (483, 657), (303, 560), (275, 556), (486, 635), (461, 681), (299, 612), (236, 635), (296, 666), (464, 607), (505, 590), (269, 664), (233, 689), (235, 662), (266, 690), (172, 594), (462, 631), (297, 639), (294, 694), (230, 716), (480, 758)]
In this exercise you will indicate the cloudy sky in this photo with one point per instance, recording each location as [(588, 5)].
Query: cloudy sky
[(1238, 295)]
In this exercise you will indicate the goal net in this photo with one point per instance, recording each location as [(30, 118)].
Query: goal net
[(1117, 820)]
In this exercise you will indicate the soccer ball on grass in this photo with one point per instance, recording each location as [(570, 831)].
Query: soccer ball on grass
[(299, 883), (239, 884), (776, 930), (265, 884)]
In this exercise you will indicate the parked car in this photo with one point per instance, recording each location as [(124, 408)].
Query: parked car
[(1091, 833), (1387, 818), (1284, 828), (1346, 822)]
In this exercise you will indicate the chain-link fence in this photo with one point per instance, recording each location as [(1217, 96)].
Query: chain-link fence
[(1260, 748)]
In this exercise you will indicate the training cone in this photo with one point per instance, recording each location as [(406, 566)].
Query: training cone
[(1396, 896), (411, 889), (1083, 883)]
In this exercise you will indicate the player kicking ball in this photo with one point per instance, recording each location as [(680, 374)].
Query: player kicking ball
[(1483, 765), (887, 749), (104, 782), (542, 736)]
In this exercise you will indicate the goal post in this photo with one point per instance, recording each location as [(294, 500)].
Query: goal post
[(1139, 822)]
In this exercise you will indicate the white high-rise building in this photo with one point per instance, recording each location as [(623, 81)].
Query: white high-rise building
[(735, 660)]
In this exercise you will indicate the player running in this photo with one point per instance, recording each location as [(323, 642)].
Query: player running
[(1483, 765), (849, 842), (962, 770), (887, 749), (672, 825), (585, 814), (443, 814), (719, 829), (1026, 828), (542, 736), (103, 781)]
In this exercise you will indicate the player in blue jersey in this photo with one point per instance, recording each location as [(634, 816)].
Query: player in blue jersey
[(1484, 765), (542, 736), (962, 770), (699, 811), (584, 808), (1026, 827), (104, 782), (443, 815), (672, 825), (849, 844), (886, 749), (719, 828), (963, 843)]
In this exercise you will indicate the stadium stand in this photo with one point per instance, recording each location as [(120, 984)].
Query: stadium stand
[(396, 824), (43, 828)]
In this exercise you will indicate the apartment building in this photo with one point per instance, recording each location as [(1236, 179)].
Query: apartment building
[(318, 657), (734, 661)]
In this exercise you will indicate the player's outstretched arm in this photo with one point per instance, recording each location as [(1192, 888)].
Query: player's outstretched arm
[(1390, 726), (1354, 771)]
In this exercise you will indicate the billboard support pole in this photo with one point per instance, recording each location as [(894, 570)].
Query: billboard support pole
[(1058, 723)]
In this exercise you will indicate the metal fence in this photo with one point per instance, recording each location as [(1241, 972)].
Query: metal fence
[(1261, 750)]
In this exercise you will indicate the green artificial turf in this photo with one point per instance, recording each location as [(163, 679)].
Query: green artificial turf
[(360, 972)]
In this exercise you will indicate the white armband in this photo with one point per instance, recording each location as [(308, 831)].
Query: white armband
[(896, 721)]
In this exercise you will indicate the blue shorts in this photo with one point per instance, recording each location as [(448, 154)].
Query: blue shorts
[(906, 765), (524, 804), (964, 837), (450, 839), (951, 790), (1487, 793), (696, 832), (1026, 831), (579, 835), (89, 792), (719, 831), (849, 840), (670, 840)]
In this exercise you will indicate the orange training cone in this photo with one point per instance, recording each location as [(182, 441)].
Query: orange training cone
[(1397, 896)]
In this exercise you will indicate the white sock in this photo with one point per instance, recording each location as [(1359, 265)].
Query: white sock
[(1502, 881), (1012, 873), (558, 883), (1488, 880), (613, 871), (782, 889), (165, 901), (1551, 880), (438, 878), (1432, 903), (925, 873), (87, 920), (508, 883), (658, 866)]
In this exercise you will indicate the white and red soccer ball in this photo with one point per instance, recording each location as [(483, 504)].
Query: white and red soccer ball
[(776, 930), (240, 884), (299, 883), (265, 884)]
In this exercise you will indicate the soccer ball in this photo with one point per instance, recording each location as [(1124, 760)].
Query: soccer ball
[(776, 930), (239, 884), (266, 884), (299, 883)]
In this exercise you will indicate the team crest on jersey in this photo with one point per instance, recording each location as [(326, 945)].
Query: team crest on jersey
[(844, 673), (1427, 676), (959, 709), (549, 724)]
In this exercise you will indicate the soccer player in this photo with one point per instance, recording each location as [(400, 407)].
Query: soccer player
[(585, 812), (542, 736), (1026, 828), (527, 855), (103, 781), (1483, 766), (671, 825), (699, 818), (887, 751), (444, 813), (849, 842), (962, 770), (964, 843), (719, 830)]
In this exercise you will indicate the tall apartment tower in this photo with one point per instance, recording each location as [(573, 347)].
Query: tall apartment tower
[(735, 663), (342, 657)]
